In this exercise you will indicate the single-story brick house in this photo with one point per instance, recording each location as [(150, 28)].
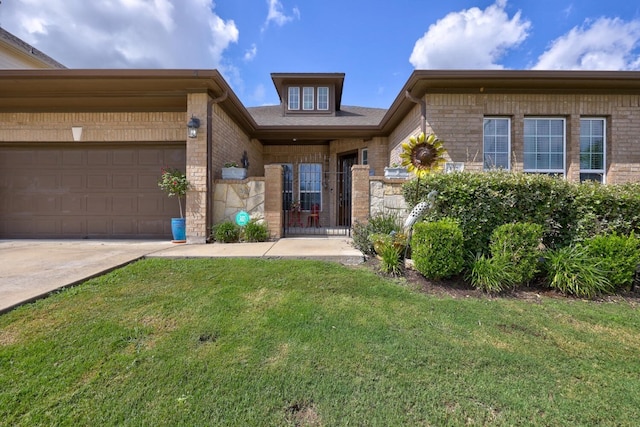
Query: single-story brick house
[(81, 150)]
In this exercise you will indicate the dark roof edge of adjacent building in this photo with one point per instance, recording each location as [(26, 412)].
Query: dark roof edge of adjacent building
[(28, 50)]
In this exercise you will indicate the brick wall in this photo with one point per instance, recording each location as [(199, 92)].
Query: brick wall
[(458, 120), (229, 144), (96, 127)]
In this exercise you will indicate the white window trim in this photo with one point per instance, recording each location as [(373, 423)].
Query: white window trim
[(564, 148), (508, 119), (364, 156), (311, 92), (297, 90), (603, 171), (327, 107)]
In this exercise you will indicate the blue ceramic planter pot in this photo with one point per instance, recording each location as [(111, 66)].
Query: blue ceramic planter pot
[(179, 229)]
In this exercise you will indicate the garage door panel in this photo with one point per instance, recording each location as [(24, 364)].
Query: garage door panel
[(124, 204), (98, 158), (73, 158), (124, 181), (98, 227), (73, 182), (71, 203), (53, 191), (124, 158), (73, 227), (97, 182), (52, 158), (153, 227)]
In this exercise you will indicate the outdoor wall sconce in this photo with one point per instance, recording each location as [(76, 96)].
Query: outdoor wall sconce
[(76, 131), (192, 127)]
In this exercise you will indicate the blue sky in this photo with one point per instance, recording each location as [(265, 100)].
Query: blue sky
[(376, 43)]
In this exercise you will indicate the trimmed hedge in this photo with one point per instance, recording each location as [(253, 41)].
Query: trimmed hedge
[(567, 212), (437, 249)]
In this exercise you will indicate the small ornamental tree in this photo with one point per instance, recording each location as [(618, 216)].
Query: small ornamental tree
[(174, 183)]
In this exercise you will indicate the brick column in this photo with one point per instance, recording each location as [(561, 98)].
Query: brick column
[(273, 199), (196, 210), (360, 193)]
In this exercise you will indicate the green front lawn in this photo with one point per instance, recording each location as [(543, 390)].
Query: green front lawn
[(246, 342)]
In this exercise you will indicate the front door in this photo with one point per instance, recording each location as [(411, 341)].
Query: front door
[(344, 188)]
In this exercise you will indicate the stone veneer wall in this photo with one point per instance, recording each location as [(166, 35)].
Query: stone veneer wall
[(386, 197), (233, 196)]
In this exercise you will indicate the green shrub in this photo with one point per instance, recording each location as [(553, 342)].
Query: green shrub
[(618, 255), (492, 275), (568, 212), (383, 223), (607, 209), (226, 232), (518, 244), (481, 202), (391, 258), (380, 241), (256, 232), (437, 248), (571, 271)]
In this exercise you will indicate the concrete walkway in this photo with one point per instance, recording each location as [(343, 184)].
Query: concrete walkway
[(32, 269)]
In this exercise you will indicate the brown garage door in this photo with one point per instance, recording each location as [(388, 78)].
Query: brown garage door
[(93, 191)]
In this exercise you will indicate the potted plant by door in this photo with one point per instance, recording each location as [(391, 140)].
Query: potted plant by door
[(175, 183), (232, 171)]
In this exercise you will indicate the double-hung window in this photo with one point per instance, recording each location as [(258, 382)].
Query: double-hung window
[(592, 149), (307, 98), (497, 143), (544, 145), (294, 98), (310, 185), (323, 98)]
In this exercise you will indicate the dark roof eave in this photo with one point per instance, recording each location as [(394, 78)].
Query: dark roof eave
[(329, 132), (422, 82), (115, 88)]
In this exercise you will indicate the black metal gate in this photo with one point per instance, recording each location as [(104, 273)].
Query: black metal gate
[(316, 201)]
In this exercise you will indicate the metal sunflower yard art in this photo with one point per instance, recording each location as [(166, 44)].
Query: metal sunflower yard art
[(423, 154)]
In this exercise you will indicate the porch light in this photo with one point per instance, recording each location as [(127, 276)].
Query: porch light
[(192, 127)]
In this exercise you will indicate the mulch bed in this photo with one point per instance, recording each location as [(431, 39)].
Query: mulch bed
[(456, 287)]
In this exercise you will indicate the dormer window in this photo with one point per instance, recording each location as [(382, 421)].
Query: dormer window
[(309, 96), (294, 98), (323, 98)]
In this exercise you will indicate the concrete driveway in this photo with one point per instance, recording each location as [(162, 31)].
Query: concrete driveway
[(30, 269)]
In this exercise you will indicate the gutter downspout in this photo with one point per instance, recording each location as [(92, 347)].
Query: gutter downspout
[(221, 98), (423, 110)]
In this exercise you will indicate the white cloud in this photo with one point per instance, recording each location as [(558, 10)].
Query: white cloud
[(251, 53), (124, 33), (604, 44), (471, 38), (277, 16)]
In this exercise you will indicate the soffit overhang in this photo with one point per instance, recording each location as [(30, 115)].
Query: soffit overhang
[(114, 90), (423, 82)]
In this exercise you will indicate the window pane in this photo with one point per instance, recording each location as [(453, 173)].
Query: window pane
[(592, 149), (496, 143), (294, 98), (597, 177), (544, 145), (307, 98), (323, 98), (310, 185)]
